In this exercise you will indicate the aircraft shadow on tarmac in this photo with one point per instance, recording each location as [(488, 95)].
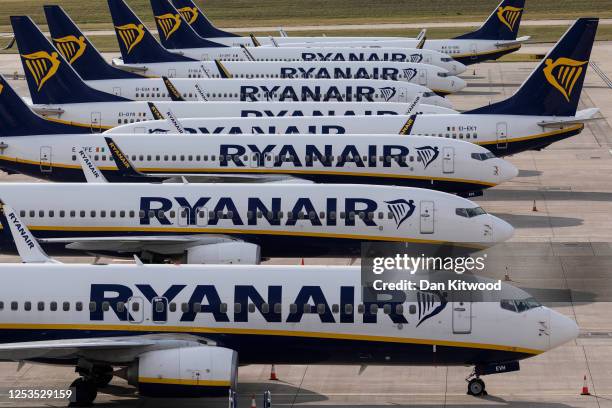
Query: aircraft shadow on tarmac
[(288, 394), (539, 221), (529, 173)]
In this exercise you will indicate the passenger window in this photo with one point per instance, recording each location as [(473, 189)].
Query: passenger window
[(278, 308), (92, 306), (79, 306), (14, 306), (105, 306), (66, 306), (197, 307), (135, 307), (172, 307), (41, 306), (293, 308), (251, 308), (1, 305), (27, 306), (120, 307), (237, 307)]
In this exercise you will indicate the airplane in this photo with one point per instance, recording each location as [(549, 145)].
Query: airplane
[(78, 116), (441, 164), (178, 337), (85, 59), (494, 39), (541, 112), (243, 222), (41, 62), (138, 46)]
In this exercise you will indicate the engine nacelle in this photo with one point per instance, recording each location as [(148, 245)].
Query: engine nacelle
[(201, 371), (225, 253)]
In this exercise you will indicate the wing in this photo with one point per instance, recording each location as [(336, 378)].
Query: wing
[(518, 41), (133, 244), (581, 117), (111, 349)]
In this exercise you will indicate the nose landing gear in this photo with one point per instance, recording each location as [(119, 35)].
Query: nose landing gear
[(476, 387)]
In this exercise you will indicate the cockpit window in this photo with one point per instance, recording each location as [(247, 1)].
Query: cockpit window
[(483, 156), (520, 305), (442, 74), (470, 212), (428, 94), (446, 59)]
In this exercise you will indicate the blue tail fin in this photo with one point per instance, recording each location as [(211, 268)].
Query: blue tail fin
[(17, 119), (136, 42), (554, 88), (174, 32), (50, 78), (198, 21), (78, 50), (502, 24)]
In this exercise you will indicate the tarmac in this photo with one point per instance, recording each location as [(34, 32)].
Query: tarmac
[(561, 207)]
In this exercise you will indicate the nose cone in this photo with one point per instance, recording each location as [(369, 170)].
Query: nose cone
[(457, 83), (507, 170), (458, 68), (562, 329), (502, 231)]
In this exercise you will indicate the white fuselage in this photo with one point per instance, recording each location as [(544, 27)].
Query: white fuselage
[(106, 115), (315, 53), (443, 164), (433, 77), (99, 302), (305, 218), (269, 90)]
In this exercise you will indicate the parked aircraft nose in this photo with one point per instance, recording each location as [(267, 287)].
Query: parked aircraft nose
[(502, 231), (458, 68), (562, 329), (457, 83), (506, 170)]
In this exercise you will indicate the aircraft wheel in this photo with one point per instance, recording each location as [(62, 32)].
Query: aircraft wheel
[(476, 387), (102, 376), (84, 392)]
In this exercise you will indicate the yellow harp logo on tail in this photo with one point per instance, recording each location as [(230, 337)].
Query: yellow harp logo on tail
[(1, 88), (190, 14), (509, 16), (131, 35), (563, 74), (42, 66), (169, 23), (71, 47)]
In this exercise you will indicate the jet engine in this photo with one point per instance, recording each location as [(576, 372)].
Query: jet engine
[(201, 371), (225, 253)]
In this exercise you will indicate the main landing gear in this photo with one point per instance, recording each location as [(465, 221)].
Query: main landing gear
[(85, 388)]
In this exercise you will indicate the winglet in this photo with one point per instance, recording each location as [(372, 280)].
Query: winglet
[(157, 115), (174, 94), (256, 43), (282, 32), (124, 166), (223, 71), (90, 170), (27, 246), (422, 37), (407, 128)]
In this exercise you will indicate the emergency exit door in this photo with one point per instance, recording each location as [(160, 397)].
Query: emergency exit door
[(422, 77), (448, 160), (96, 122)]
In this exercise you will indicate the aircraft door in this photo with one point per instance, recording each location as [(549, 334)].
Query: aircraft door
[(45, 159), (96, 122), (427, 217), (462, 317), (448, 161), (474, 51), (502, 135), (135, 310), (403, 95), (160, 310), (117, 91), (422, 77), (171, 73)]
